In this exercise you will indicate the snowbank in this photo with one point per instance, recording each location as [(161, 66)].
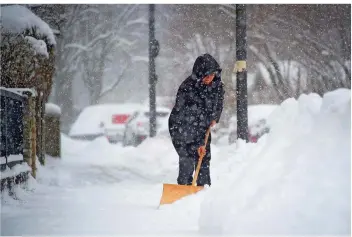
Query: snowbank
[(296, 180), (71, 146), (16, 19), (99, 162), (153, 161)]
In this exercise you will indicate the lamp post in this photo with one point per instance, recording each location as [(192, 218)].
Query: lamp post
[(241, 73), (153, 53)]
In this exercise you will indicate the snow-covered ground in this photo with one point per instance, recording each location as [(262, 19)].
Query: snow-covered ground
[(295, 180)]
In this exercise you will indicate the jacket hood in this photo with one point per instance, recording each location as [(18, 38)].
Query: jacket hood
[(205, 65)]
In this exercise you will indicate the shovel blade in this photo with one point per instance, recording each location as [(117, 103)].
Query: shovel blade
[(174, 192)]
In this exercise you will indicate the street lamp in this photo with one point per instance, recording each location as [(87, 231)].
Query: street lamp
[(241, 73), (153, 53)]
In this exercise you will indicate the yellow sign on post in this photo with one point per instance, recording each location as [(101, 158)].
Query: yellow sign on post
[(240, 66)]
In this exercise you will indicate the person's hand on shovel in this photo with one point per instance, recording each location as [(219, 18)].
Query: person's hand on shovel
[(213, 123), (201, 151)]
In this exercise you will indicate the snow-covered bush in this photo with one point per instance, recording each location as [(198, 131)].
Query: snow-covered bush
[(27, 58), (27, 50)]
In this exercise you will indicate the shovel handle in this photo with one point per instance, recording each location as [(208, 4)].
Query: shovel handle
[(194, 182)]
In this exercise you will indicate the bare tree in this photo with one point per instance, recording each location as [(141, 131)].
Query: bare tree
[(66, 60), (278, 34), (318, 52), (108, 33), (90, 37)]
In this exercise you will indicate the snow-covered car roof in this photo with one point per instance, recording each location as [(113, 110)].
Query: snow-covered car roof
[(91, 118)]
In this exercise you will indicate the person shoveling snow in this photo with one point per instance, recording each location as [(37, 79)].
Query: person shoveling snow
[(198, 107)]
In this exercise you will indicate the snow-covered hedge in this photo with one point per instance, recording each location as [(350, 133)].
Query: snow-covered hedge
[(16, 19), (27, 48)]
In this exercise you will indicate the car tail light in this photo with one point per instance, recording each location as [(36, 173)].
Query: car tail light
[(120, 118), (253, 139), (142, 138)]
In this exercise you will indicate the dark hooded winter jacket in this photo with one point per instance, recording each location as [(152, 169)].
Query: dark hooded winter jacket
[(197, 104)]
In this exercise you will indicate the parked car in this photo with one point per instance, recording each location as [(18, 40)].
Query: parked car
[(254, 132), (115, 122), (137, 127), (258, 130), (88, 125), (257, 123), (102, 120)]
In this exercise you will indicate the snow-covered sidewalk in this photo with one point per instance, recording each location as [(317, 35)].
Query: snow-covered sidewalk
[(95, 210), (90, 192), (295, 180)]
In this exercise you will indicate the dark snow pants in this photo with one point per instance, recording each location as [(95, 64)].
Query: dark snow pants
[(188, 160)]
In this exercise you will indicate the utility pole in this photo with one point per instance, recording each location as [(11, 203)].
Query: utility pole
[(241, 73), (153, 53)]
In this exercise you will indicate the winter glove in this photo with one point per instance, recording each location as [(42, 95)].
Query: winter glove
[(201, 151), (213, 123)]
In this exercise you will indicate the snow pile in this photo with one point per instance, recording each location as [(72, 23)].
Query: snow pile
[(53, 109), (153, 161), (16, 19), (295, 180), (38, 46), (100, 162), (15, 170), (71, 147)]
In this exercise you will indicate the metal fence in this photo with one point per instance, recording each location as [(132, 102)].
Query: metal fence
[(11, 133)]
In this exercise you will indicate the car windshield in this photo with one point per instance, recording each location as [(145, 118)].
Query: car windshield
[(158, 114)]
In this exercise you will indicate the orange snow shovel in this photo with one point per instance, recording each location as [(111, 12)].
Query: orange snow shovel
[(174, 192)]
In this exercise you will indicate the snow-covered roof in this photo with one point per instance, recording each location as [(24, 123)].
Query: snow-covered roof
[(16, 19)]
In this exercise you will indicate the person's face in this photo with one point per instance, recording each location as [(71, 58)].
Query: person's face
[(208, 79)]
